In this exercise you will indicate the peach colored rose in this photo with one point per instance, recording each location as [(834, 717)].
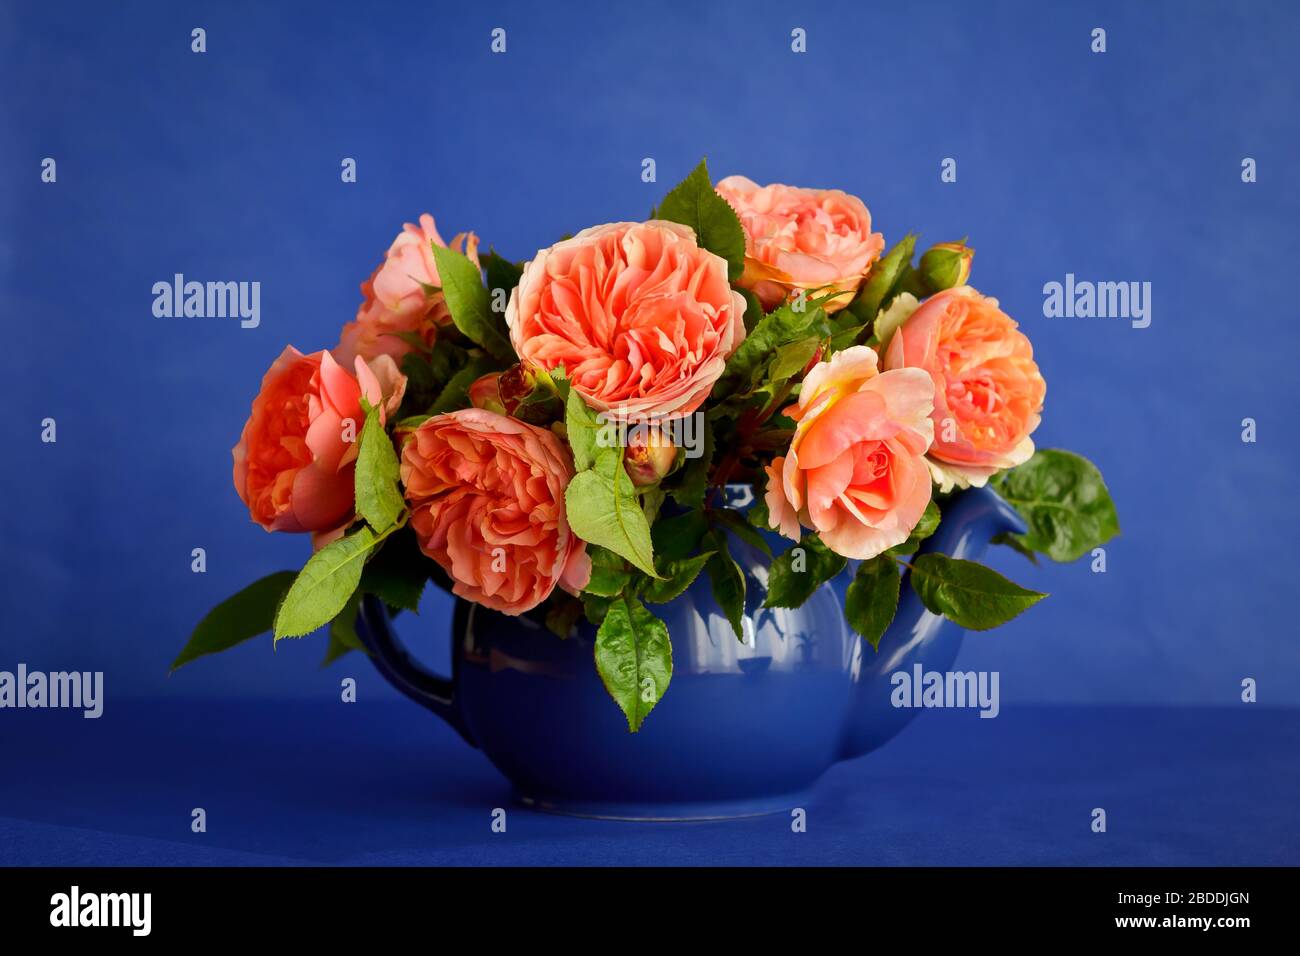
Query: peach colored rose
[(487, 503), (295, 459), (802, 239), (641, 317), (988, 391), (395, 298), (855, 472)]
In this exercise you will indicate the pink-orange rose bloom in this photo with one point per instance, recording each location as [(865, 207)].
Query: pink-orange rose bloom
[(295, 459), (855, 472), (396, 299), (988, 393), (802, 239), (487, 503), (641, 316)]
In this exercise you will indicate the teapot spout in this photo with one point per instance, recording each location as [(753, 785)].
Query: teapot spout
[(971, 520)]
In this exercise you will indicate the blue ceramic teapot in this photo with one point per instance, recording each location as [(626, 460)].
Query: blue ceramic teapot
[(745, 727)]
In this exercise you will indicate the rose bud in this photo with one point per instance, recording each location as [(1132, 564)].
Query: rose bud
[(485, 393), (649, 456), (529, 394), (946, 265)]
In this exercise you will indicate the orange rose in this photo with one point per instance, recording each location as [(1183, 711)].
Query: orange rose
[(295, 459), (802, 239), (487, 503), (642, 317), (988, 391), (855, 472)]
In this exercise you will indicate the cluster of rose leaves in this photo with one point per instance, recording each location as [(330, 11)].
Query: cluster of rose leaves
[(470, 444)]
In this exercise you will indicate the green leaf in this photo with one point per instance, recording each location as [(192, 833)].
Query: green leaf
[(792, 358), (343, 632), (238, 618), (753, 309), (603, 509), (467, 299), (695, 203), (378, 499), (398, 572), (563, 615), (634, 658), (583, 426), (595, 607), (796, 574), (883, 279), (735, 522), (727, 581), (455, 394), (927, 526), (677, 576), (1013, 542), (679, 537), (324, 585), (872, 598), (691, 487), (609, 573), (967, 593), (501, 273), (778, 328), (1064, 502)]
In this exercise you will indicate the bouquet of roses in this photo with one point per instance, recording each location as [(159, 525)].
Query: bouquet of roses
[(554, 437)]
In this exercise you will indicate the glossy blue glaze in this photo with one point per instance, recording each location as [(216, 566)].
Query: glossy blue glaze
[(746, 727)]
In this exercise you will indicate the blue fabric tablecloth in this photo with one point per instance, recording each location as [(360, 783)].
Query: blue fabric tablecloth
[(384, 783)]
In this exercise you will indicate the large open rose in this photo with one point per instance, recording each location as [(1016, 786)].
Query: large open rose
[(855, 472), (295, 459), (641, 317), (988, 392), (487, 503), (802, 239)]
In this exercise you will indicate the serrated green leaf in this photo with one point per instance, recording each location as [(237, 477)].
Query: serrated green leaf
[(872, 598), (470, 306), (727, 582), (1063, 500), (603, 509), (795, 575), (791, 358), (780, 327), (634, 658), (238, 618), (695, 203), (967, 593), (677, 576), (376, 477), (583, 425), (324, 584)]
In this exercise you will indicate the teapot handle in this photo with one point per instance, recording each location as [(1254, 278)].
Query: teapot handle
[(404, 672)]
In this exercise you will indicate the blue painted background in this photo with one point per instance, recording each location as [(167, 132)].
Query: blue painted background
[(225, 166)]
